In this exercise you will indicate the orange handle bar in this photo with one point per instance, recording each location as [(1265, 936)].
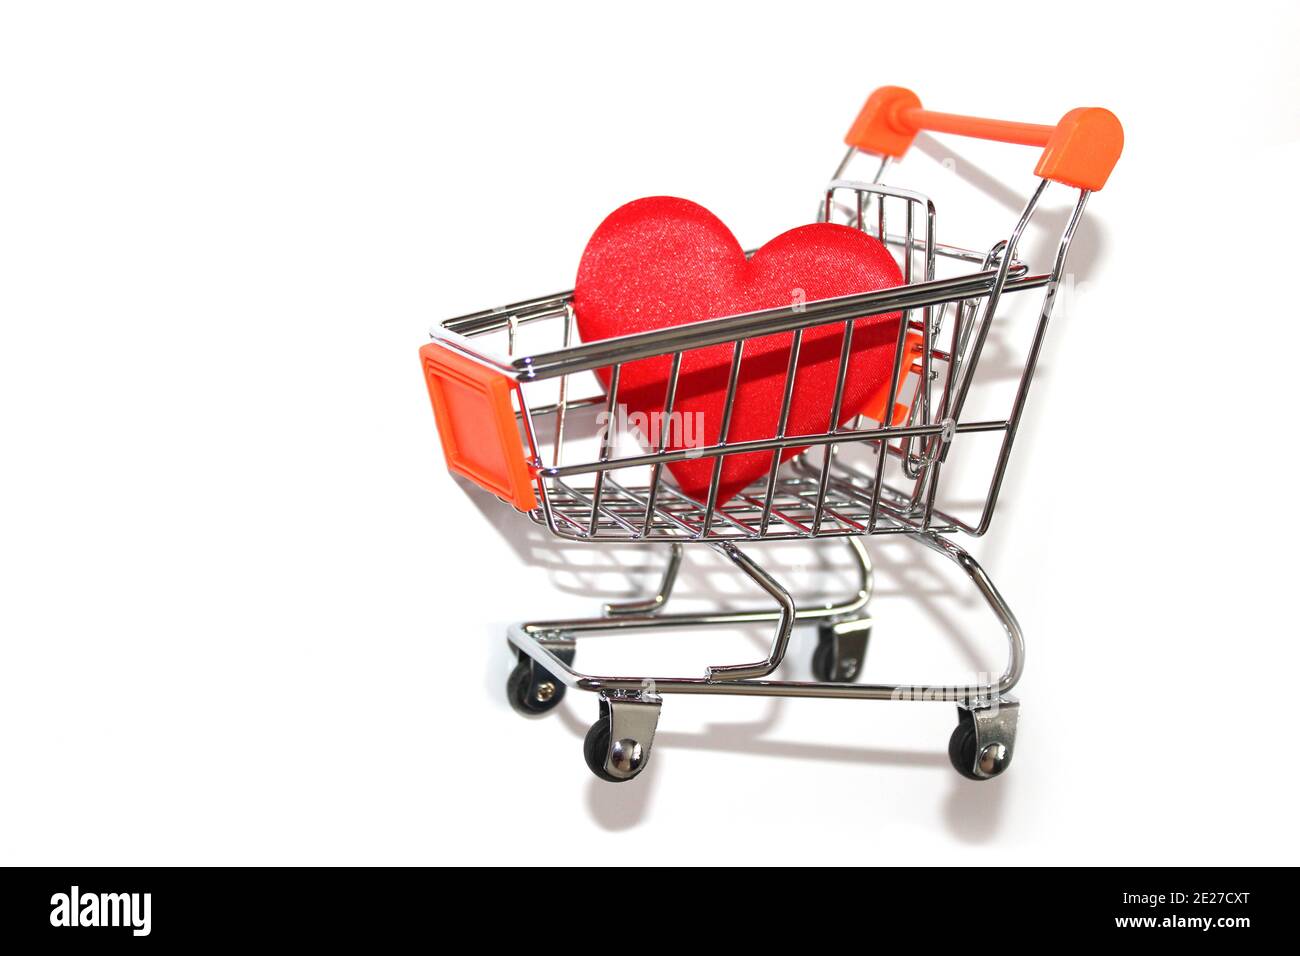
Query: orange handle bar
[(1079, 151)]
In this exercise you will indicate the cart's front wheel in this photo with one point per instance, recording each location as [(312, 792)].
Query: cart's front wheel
[(985, 765), (595, 748), (617, 747), (532, 690)]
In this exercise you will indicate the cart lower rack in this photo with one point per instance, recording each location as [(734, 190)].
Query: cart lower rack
[(510, 421)]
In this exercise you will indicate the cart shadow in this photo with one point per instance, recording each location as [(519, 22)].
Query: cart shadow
[(705, 577), (972, 812), (1045, 228)]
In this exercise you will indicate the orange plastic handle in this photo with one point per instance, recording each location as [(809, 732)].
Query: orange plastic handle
[(1079, 151)]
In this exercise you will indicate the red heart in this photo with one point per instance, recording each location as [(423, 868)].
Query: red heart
[(661, 261)]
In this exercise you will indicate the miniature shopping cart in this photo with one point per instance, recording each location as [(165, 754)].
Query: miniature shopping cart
[(509, 419)]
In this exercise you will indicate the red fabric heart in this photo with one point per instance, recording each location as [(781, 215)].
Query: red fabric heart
[(662, 261)]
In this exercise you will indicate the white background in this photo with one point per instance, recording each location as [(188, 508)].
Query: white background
[(246, 615)]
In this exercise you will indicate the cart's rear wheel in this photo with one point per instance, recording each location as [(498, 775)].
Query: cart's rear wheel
[(532, 690), (840, 665)]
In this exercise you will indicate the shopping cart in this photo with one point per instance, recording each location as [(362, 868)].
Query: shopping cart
[(509, 422)]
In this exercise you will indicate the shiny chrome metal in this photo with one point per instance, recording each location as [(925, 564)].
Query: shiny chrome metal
[(858, 216), (533, 639), (654, 604), (995, 734), (633, 718), (606, 445), (846, 481), (728, 329), (1027, 374), (784, 622), (848, 645)]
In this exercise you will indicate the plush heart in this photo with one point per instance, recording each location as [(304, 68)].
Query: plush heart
[(663, 261)]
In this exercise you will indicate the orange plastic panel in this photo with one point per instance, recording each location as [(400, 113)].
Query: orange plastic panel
[(476, 422), (875, 406), (1079, 151)]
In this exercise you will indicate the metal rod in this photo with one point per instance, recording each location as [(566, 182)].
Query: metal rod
[(607, 440), (733, 379), (787, 397), (768, 444), (784, 623), (665, 427), (727, 329), (654, 604)]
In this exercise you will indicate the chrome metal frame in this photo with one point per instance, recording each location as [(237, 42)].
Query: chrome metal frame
[(817, 494), (536, 639)]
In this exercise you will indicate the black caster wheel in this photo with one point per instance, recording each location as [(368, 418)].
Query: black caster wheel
[(594, 749), (531, 690), (852, 650), (961, 752)]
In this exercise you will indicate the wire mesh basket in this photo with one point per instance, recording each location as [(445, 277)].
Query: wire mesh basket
[(533, 416)]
